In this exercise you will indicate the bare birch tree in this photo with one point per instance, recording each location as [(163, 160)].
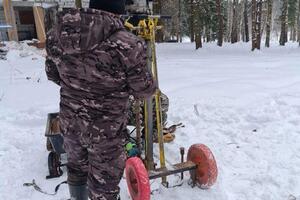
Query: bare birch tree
[(256, 23), (283, 18)]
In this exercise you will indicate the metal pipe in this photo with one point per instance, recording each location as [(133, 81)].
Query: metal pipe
[(148, 117)]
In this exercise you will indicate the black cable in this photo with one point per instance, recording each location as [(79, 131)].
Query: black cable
[(37, 188)]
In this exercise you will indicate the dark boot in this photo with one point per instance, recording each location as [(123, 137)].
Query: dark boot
[(78, 192)]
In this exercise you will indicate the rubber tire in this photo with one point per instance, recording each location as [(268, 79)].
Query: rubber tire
[(207, 170), (137, 179)]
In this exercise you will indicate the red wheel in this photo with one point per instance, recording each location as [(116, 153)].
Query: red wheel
[(137, 179), (207, 171)]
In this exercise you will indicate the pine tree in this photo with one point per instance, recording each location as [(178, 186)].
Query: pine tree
[(210, 19)]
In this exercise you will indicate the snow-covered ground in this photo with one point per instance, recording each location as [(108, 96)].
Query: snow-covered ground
[(244, 105)]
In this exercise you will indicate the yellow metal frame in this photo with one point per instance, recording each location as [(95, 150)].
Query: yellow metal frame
[(147, 30)]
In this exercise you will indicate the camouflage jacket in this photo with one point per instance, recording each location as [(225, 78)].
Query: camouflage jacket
[(98, 65)]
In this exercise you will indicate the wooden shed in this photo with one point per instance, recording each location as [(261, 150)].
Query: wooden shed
[(27, 17)]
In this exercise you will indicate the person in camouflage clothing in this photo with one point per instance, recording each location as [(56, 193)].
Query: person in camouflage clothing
[(98, 65)]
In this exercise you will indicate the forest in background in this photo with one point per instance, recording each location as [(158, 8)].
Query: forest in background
[(256, 21)]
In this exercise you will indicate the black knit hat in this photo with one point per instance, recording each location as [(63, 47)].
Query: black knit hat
[(113, 6)]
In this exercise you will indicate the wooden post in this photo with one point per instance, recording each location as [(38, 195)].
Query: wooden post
[(39, 15), (11, 20)]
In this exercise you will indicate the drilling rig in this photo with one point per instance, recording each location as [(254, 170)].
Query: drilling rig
[(142, 167)]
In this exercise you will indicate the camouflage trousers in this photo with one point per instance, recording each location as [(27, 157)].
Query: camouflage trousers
[(95, 156)]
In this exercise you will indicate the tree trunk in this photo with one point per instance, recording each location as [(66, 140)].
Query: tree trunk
[(198, 40), (78, 3), (298, 22), (239, 21), (207, 33), (258, 21), (157, 9), (220, 23), (197, 24), (191, 19), (198, 33), (243, 21), (229, 21), (179, 32), (293, 33), (269, 22), (234, 32), (254, 38), (246, 24), (283, 34)]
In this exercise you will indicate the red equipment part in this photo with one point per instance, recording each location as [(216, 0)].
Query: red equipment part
[(207, 171), (137, 179)]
